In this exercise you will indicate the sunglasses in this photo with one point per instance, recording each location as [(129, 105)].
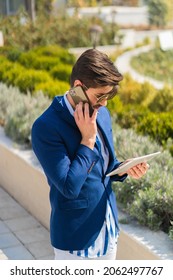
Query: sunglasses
[(106, 96)]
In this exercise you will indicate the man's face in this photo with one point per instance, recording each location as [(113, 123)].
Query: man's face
[(99, 96)]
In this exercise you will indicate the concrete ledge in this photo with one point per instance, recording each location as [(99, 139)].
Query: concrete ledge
[(130, 249), (22, 177)]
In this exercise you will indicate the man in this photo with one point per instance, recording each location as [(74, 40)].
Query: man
[(76, 152)]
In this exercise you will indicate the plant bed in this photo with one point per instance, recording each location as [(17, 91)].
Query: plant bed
[(22, 177)]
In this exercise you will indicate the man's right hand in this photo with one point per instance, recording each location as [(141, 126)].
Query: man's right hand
[(86, 124)]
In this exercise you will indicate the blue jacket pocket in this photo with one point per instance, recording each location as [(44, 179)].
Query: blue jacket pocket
[(73, 204)]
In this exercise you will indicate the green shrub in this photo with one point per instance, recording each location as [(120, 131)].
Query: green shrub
[(129, 90), (18, 112), (131, 115), (5, 66), (13, 54), (56, 51), (115, 105), (12, 74), (52, 50), (133, 92), (34, 69), (52, 88), (8, 97), (32, 74), (158, 126), (146, 94), (61, 72), (28, 80), (45, 63), (27, 59), (163, 101), (62, 29), (153, 206), (33, 60), (150, 199), (5, 50)]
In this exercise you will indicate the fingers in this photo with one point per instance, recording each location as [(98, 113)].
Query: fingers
[(78, 113), (82, 111), (138, 171)]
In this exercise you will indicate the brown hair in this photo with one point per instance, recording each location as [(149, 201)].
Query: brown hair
[(95, 69)]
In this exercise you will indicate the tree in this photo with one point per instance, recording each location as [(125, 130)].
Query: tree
[(44, 7), (30, 4), (170, 10), (158, 11)]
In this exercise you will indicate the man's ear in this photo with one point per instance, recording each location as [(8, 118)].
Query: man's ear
[(77, 83)]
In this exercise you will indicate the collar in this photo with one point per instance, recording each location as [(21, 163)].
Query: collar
[(67, 104)]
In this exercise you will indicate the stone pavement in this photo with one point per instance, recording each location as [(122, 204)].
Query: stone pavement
[(22, 237)]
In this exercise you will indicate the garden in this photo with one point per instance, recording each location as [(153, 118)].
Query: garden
[(33, 71)]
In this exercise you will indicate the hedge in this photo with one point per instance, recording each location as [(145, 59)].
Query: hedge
[(18, 112), (30, 78), (149, 199), (61, 72), (43, 68), (32, 60), (52, 88)]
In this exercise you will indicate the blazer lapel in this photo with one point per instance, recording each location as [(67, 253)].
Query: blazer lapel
[(59, 105)]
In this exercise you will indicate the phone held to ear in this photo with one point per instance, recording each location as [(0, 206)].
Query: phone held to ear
[(78, 94)]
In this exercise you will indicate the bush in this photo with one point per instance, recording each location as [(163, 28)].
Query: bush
[(61, 72), (28, 80), (9, 77), (149, 199), (158, 126), (32, 73), (60, 29), (129, 90), (27, 59), (163, 101), (5, 66), (153, 206), (147, 110), (33, 60), (8, 97), (115, 105), (13, 54), (131, 115), (56, 51), (133, 92), (18, 112), (45, 63), (52, 88)]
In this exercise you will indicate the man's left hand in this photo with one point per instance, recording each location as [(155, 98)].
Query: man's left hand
[(137, 171)]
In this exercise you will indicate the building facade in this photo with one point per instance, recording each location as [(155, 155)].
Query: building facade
[(10, 7)]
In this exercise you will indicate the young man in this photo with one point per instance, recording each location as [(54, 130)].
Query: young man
[(76, 152)]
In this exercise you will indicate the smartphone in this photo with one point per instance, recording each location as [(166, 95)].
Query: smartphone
[(78, 94)]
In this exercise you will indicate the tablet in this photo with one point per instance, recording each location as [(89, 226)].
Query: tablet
[(123, 167)]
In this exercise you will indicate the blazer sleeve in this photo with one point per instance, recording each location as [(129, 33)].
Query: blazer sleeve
[(68, 176)]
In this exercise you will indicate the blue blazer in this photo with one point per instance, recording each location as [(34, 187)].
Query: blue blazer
[(79, 189)]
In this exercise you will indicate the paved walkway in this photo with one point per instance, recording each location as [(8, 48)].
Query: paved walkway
[(22, 237), (123, 65)]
